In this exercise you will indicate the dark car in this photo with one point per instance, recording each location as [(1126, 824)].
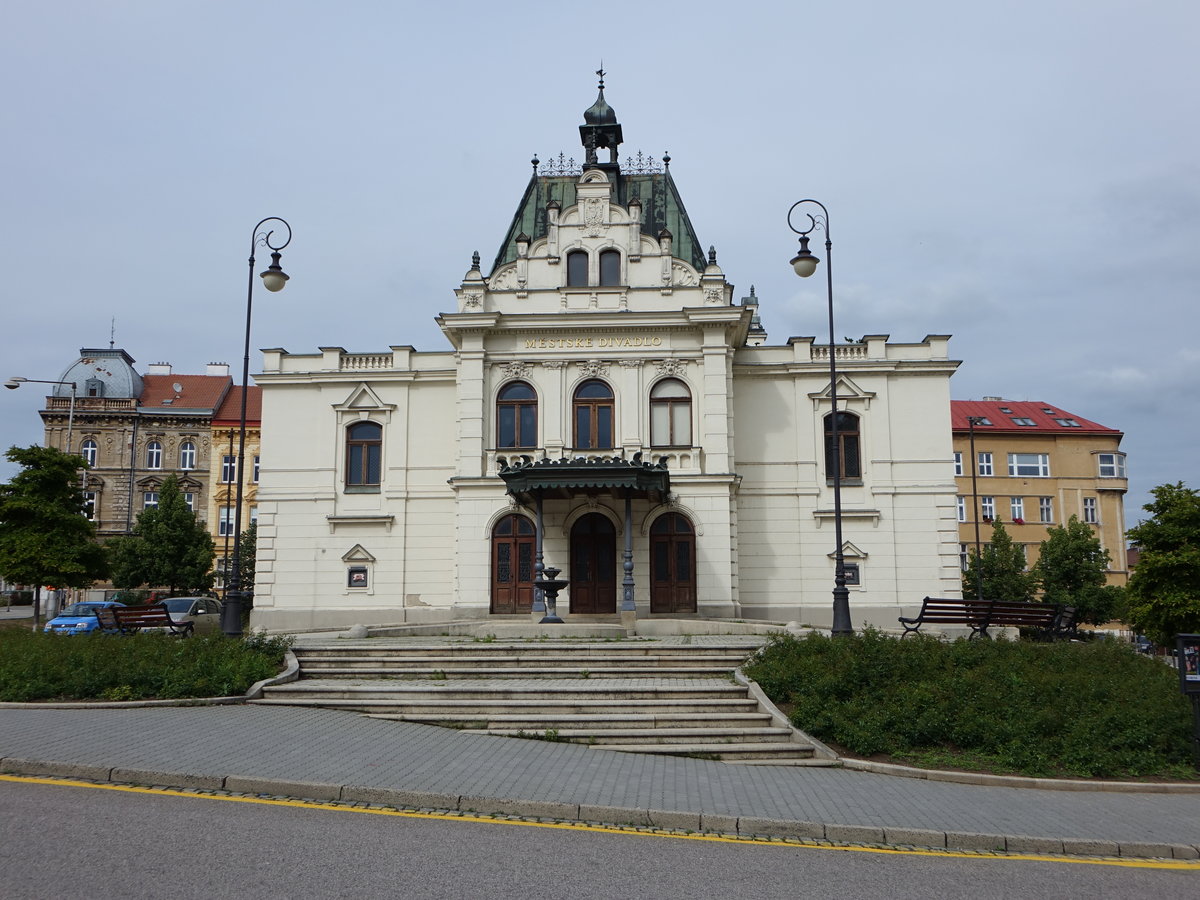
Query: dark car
[(78, 618)]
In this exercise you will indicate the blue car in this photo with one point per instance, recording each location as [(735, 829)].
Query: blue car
[(78, 618)]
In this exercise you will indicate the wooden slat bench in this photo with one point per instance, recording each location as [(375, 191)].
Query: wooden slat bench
[(980, 615), (132, 619)]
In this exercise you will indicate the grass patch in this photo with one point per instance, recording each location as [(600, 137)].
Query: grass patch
[(47, 667), (1090, 710)]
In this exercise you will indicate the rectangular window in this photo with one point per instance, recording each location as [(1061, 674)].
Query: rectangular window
[(150, 500), (356, 577), (1029, 465), (987, 506), (958, 469), (255, 478), (985, 464), (89, 505), (1046, 509), (964, 560), (254, 515), (851, 573), (190, 499), (1112, 465), (961, 503), (1090, 514), (228, 469), (1017, 510), (225, 521)]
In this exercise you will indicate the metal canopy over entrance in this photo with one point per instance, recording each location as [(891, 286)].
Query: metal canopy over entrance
[(552, 479)]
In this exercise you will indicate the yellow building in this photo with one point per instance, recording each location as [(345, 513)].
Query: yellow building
[(1033, 466), (223, 473)]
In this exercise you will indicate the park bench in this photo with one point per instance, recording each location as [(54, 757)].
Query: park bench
[(132, 619), (1045, 620)]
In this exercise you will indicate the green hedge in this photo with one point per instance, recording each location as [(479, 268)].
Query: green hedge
[(1096, 709), (35, 666)]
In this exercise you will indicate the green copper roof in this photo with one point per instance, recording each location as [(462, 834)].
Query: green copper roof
[(661, 208)]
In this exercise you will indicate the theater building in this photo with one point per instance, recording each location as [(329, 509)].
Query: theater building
[(601, 379)]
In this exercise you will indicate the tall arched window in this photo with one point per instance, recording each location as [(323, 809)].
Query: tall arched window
[(610, 268), (848, 451), (593, 408), (670, 414), (364, 453), (154, 455), (516, 416), (577, 268), (88, 451), (187, 455)]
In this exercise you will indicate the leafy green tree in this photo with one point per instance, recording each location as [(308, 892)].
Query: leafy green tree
[(1072, 570), (249, 554), (1164, 590), (168, 548), (44, 536), (1001, 570)]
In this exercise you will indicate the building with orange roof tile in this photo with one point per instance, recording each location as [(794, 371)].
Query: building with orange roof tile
[(223, 472)]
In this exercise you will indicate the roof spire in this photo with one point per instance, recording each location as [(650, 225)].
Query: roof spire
[(600, 129)]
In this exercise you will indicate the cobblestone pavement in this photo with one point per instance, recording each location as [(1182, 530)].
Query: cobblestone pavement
[(327, 754)]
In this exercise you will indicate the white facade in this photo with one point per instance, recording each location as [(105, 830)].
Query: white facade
[(739, 422)]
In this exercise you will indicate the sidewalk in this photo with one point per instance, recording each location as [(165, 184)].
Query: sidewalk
[(331, 755)]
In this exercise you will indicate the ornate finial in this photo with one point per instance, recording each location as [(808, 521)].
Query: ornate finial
[(600, 71), (535, 162), (475, 260), (712, 255), (666, 159), (751, 290)]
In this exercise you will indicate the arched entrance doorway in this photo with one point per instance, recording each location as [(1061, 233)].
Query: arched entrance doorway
[(513, 543), (672, 565), (593, 566)]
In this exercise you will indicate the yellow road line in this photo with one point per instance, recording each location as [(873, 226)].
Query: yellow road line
[(1177, 864)]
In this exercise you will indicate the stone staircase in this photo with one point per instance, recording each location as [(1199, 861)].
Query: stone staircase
[(670, 696)]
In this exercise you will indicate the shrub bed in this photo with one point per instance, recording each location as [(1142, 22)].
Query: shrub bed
[(36, 666), (1096, 709)]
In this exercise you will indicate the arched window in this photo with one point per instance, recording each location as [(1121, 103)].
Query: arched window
[(848, 445), (670, 414), (154, 455), (187, 455), (364, 453), (593, 409), (610, 268), (577, 268), (88, 451), (516, 416)]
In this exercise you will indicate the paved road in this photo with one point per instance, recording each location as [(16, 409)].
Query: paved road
[(327, 754)]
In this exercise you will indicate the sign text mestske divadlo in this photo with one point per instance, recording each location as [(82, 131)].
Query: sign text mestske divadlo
[(591, 343)]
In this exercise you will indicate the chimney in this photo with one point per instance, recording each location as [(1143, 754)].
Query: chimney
[(217, 369), (159, 368)]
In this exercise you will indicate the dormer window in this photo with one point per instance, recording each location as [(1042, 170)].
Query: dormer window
[(577, 268), (610, 268)]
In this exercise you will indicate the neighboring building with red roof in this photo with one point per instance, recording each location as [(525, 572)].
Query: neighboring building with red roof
[(1034, 465), (226, 423)]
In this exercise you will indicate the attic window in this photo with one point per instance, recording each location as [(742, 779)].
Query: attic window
[(1048, 411), (1022, 420), (1006, 410), (1068, 423), (982, 420), (168, 401)]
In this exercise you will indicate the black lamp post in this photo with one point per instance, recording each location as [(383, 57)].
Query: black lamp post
[(274, 278), (805, 264)]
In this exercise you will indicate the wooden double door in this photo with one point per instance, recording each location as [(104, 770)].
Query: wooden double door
[(593, 570), (514, 544)]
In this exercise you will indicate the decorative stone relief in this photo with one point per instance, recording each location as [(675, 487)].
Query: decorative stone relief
[(516, 369), (472, 300), (554, 363), (714, 296), (593, 217), (631, 363), (595, 368), (676, 367), (681, 274), (504, 279)]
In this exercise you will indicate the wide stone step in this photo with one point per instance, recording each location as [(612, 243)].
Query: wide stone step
[(769, 750), (729, 738), (417, 670), (599, 722), (506, 691), (525, 660)]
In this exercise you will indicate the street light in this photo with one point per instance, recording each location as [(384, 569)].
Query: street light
[(274, 278), (16, 381), (804, 264)]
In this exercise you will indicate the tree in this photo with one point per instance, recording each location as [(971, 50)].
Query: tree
[(1072, 570), (248, 556), (1001, 570), (45, 538), (168, 548), (1164, 590)]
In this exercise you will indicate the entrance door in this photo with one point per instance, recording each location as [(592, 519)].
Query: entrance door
[(593, 566), (513, 548), (673, 565)]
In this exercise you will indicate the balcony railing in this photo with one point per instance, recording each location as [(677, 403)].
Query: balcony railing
[(680, 460)]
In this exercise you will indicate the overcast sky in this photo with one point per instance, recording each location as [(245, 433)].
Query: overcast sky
[(1024, 176)]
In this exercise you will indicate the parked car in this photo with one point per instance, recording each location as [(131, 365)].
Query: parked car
[(78, 618), (203, 612)]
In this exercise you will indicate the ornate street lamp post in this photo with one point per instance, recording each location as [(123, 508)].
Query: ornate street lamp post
[(274, 279), (804, 264)]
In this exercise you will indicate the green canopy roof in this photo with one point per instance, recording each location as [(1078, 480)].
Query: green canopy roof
[(528, 479)]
